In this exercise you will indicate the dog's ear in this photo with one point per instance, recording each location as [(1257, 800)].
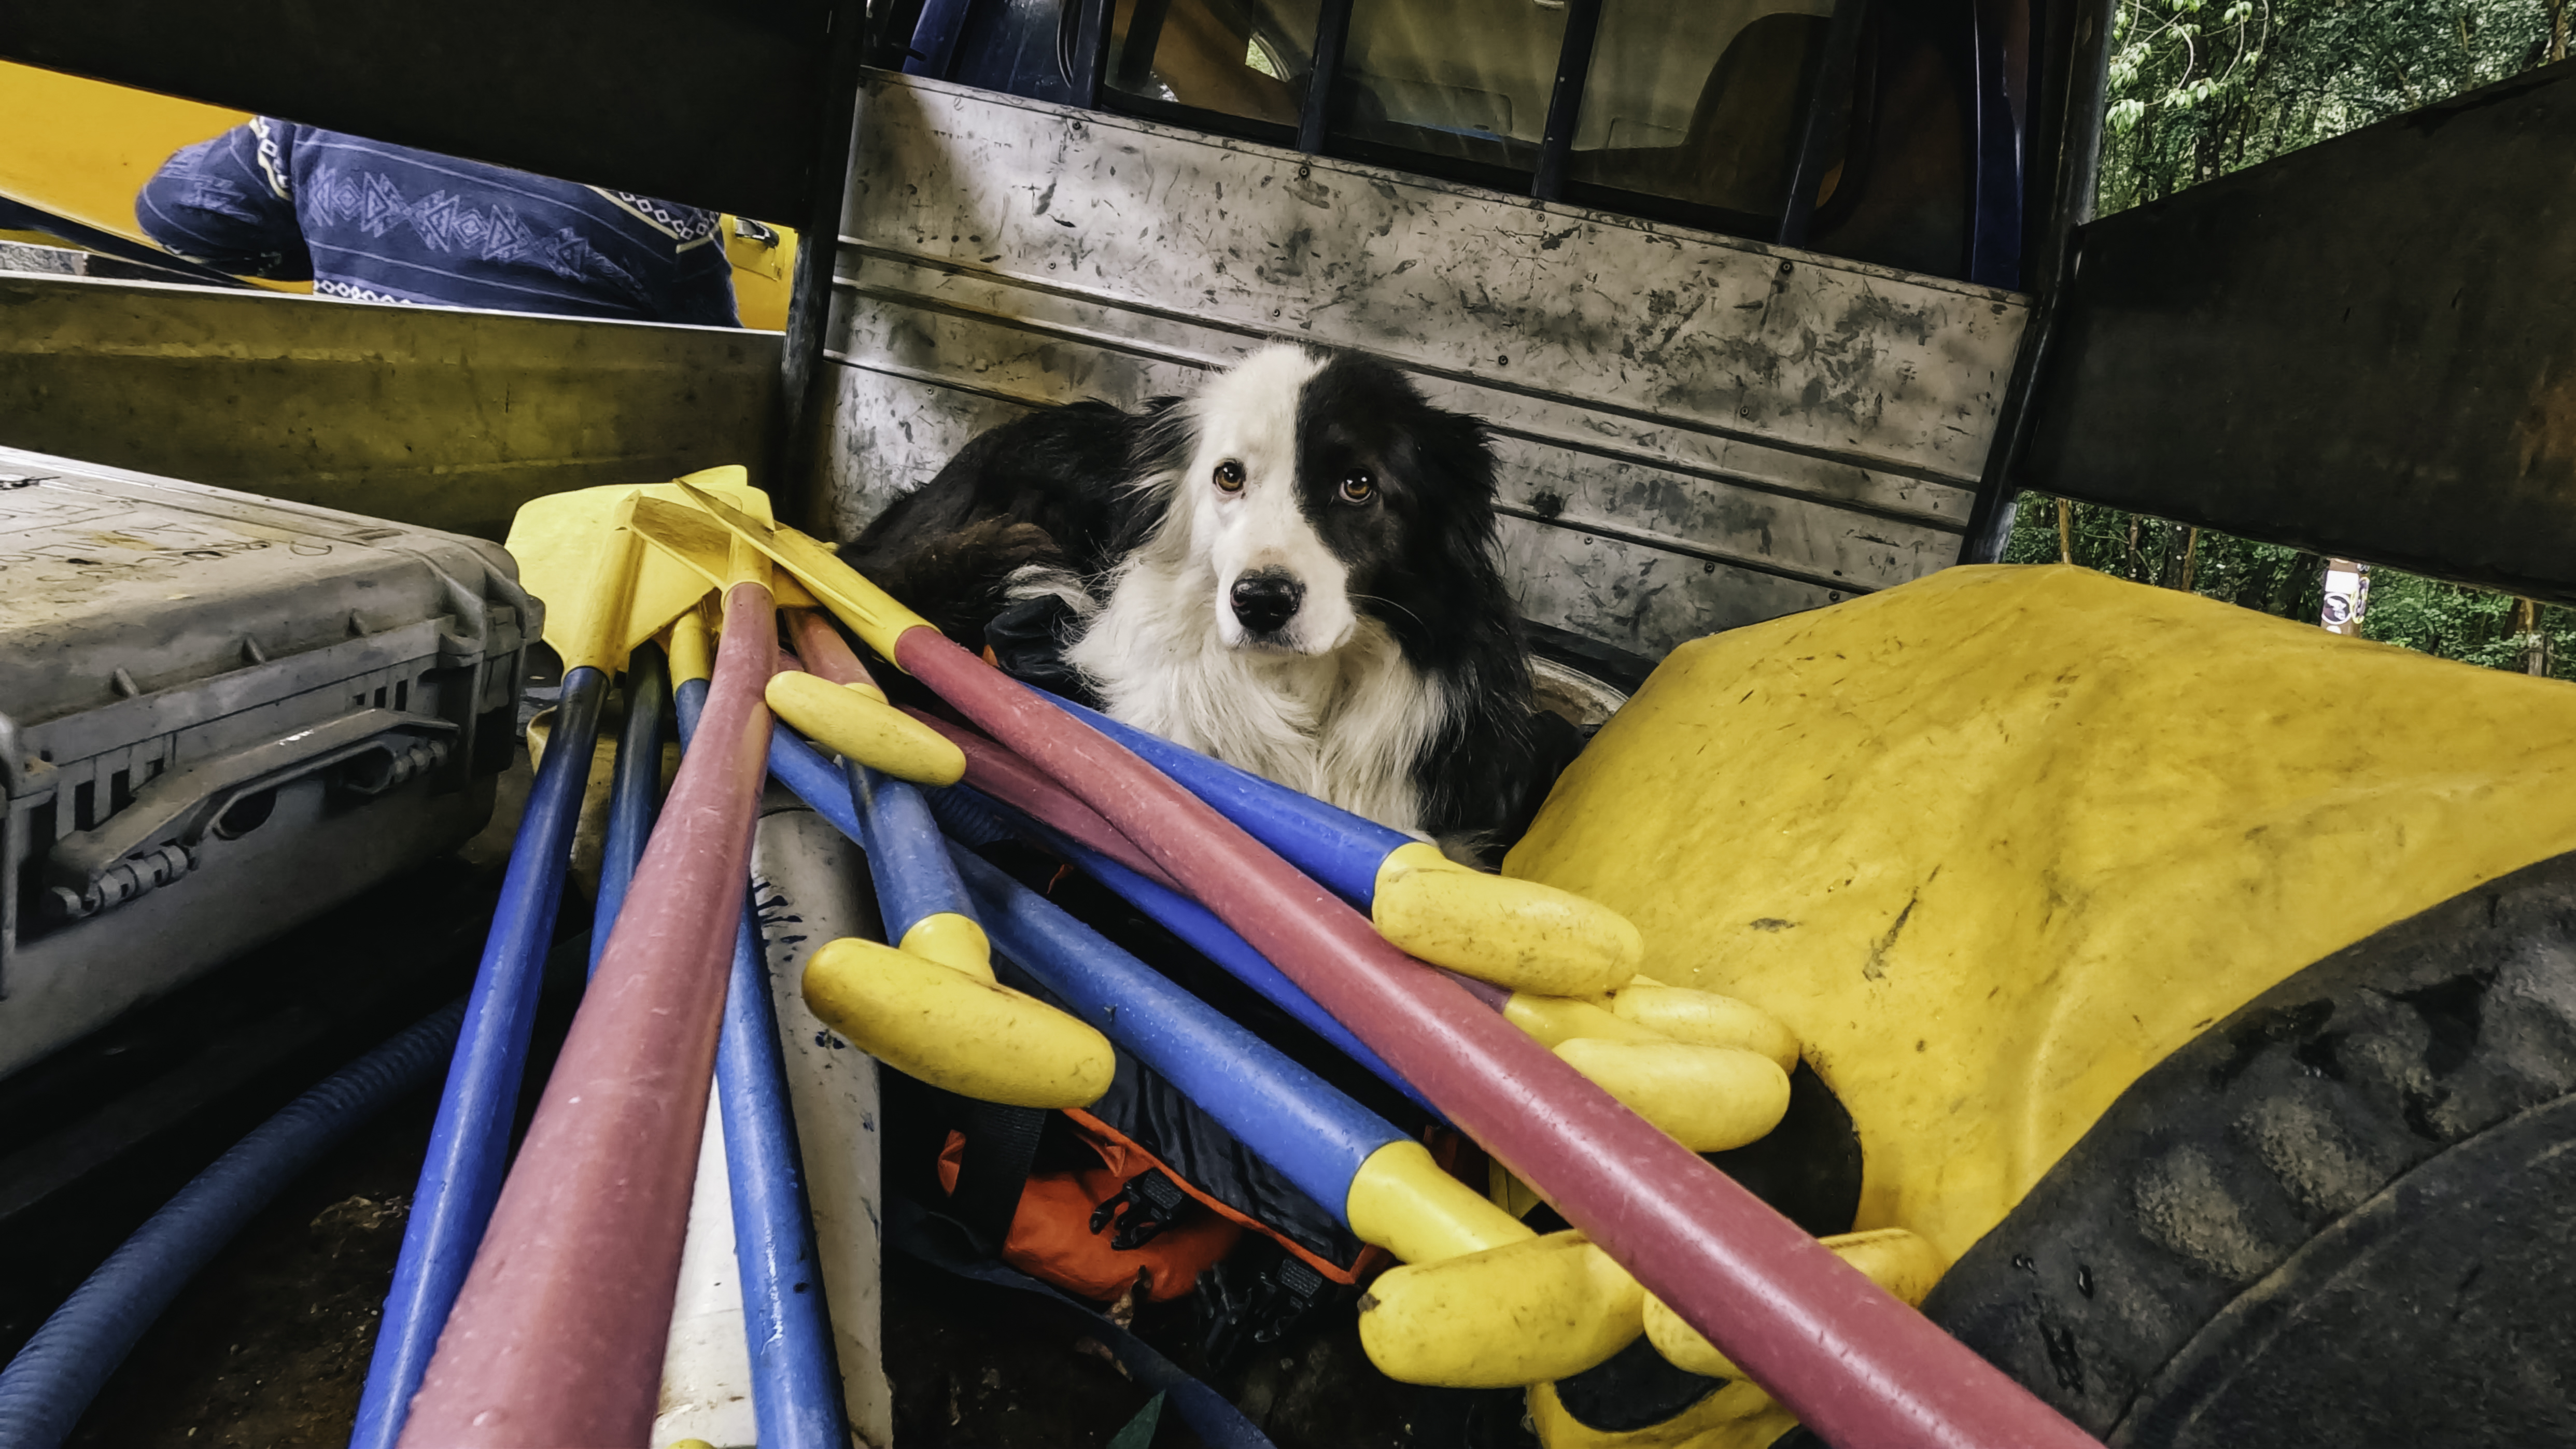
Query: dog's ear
[(1166, 435), (1454, 458)]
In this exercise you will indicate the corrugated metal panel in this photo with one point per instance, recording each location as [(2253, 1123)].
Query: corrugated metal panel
[(1697, 432)]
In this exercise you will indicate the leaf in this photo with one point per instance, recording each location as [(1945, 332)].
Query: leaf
[(1139, 1433)]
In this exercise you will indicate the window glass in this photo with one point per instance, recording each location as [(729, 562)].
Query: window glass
[(1464, 80), (1698, 101), (1247, 58)]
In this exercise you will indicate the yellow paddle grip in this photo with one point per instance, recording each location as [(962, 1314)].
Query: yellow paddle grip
[(956, 1031), (1513, 933), (1894, 1259), (845, 722)]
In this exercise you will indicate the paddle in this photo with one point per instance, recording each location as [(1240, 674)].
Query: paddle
[(1515, 933), (925, 912), (1853, 1362), (795, 1374), (591, 592), (635, 791), (933, 1012), (1708, 1070), (558, 1332)]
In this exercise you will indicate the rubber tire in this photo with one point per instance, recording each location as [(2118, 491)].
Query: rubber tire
[(2340, 1217)]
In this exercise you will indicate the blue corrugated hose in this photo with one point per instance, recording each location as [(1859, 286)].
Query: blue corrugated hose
[(795, 1373), (470, 1142), (45, 1388), (636, 790)]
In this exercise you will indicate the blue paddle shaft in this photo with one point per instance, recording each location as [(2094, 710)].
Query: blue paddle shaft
[(972, 817), (1316, 1137), (468, 1142), (795, 1373), (906, 857), (1198, 927), (813, 779), (887, 818), (636, 790), (1340, 850)]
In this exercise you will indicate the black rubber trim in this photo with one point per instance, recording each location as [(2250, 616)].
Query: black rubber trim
[(2366, 1079)]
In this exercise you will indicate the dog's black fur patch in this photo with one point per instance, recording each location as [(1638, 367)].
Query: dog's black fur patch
[(1062, 487)]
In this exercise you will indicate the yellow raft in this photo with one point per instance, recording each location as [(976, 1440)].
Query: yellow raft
[(1994, 843)]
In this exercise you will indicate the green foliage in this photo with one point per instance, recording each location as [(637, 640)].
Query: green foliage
[(2199, 88), (2267, 577), (2454, 621)]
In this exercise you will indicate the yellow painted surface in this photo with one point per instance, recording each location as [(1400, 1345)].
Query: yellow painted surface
[(81, 149), (761, 276), (1515, 934), (700, 546), (1994, 842), (1523, 1313), (970, 1036), (1738, 1416), (842, 721), (587, 625), (692, 647), (1554, 1020)]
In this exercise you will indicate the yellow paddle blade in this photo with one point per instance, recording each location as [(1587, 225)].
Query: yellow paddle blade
[(704, 549), (583, 624), (557, 540), (869, 610), (685, 537)]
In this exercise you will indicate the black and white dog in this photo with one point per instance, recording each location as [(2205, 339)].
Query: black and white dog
[(1292, 570)]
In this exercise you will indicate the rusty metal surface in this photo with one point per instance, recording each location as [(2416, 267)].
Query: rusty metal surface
[(1696, 432), (441, 418)]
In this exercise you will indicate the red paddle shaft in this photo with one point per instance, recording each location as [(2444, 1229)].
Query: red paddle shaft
[(1862, 1369), (1016, 783), (825, 653), (558, 1335)]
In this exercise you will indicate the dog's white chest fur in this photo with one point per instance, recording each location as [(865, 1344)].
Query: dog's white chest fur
[(1345, 726)]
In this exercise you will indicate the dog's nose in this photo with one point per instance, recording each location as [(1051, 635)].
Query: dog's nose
[(1266, 600)]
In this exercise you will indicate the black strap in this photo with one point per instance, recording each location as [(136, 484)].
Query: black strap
[(1001, 1146)]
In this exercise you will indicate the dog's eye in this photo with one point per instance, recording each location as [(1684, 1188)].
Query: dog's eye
[(1358, 486), (1229, 476)]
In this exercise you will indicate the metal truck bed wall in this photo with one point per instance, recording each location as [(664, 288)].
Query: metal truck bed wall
[(446, 418), (1695, 433), (221, 715)]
